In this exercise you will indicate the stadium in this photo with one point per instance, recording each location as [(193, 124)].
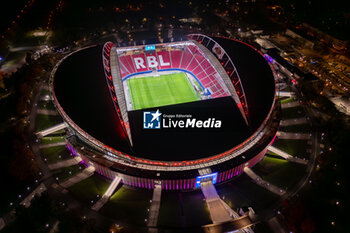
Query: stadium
[(170, 114)]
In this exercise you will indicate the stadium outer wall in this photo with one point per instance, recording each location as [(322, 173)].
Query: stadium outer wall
[(147, 174)]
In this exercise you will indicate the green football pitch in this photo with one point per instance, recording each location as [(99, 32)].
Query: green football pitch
[(155, 91)]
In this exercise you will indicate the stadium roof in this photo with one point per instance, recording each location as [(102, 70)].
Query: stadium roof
[(82, 92)]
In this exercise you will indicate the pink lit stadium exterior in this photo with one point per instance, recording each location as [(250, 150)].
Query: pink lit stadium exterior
[(205, 59)]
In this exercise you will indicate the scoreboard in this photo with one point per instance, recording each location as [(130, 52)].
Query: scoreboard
[(150, 47)]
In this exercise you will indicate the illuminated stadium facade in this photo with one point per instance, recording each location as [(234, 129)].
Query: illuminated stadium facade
[(211, 72)]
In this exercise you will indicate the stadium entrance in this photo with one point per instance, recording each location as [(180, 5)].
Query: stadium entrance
[(205, 178)]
